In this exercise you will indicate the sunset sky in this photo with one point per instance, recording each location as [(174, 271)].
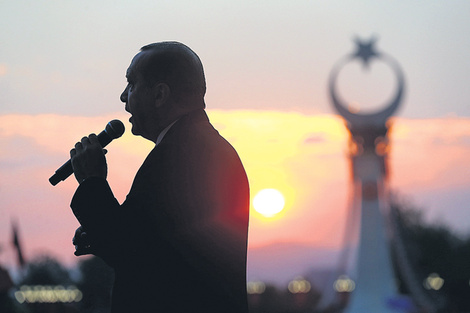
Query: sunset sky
[(62, 68)]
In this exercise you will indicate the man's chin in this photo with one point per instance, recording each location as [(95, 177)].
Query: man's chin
[(135, 131)]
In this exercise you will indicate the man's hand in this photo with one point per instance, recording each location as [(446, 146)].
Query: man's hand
[(81, 242), (88, 159)]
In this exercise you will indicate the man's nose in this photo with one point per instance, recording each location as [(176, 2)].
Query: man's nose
[(124, 95)]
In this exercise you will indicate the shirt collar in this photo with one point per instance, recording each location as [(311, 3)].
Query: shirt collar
[(163, 133)]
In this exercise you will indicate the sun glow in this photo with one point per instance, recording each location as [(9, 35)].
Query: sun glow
[(269, 202)]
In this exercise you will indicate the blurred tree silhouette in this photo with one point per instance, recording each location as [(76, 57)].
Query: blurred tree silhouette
[(271, 300), (45, 270), (430, 248), (433, 248), (96, 283), (7, 303)]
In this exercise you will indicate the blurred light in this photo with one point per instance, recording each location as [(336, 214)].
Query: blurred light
[(255, 287), (356, 146), (48, 294), (354, 107), (381, 146), (299, 285), (433, 281), (344, 284)]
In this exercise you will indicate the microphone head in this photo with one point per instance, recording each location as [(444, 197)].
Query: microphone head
[(115, 129)]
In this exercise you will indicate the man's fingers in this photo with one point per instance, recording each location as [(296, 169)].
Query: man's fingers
[(93, 139), (84, 143), (80, 241), (83, 250), (88, 159), (79, 236)]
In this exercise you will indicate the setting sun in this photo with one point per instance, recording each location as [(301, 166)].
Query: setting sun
[(268, 202)]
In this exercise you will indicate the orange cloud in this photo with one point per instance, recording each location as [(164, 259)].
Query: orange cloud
[(431, 153), (3, 69), (303, 156)]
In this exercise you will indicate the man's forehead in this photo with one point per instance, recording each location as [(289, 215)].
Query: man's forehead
[(135, 63)]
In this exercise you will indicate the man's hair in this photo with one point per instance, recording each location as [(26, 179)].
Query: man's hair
[(176, 65)]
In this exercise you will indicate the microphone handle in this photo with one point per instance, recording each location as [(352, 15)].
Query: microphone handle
[(66, 169)]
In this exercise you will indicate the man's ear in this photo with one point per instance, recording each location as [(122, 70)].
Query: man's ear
[(161, 93)]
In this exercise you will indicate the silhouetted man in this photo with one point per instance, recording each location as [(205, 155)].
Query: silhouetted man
[(178, 242)]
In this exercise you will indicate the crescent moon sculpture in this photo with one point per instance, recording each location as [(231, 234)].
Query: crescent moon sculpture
[(365, 52), (368, 155)]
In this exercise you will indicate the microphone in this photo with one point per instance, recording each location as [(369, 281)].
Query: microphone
[(113, 130)]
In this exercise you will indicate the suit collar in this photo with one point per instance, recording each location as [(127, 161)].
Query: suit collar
[(191, 118)]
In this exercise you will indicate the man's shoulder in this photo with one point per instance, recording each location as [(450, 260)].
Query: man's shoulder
[(194, 129)]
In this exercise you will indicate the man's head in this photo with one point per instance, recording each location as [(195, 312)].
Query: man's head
[(165, 80), (178, 66)]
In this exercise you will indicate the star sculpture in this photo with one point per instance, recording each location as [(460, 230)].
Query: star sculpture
[(365, 50)]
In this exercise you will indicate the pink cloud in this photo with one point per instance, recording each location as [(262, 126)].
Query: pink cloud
[(304, 155)]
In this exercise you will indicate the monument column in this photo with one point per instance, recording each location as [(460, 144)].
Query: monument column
[(368, 152)]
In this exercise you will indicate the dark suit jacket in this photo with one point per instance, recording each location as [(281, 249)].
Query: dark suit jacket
[(178, 242)]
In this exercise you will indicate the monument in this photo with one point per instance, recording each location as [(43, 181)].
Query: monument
[(375, 286)]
